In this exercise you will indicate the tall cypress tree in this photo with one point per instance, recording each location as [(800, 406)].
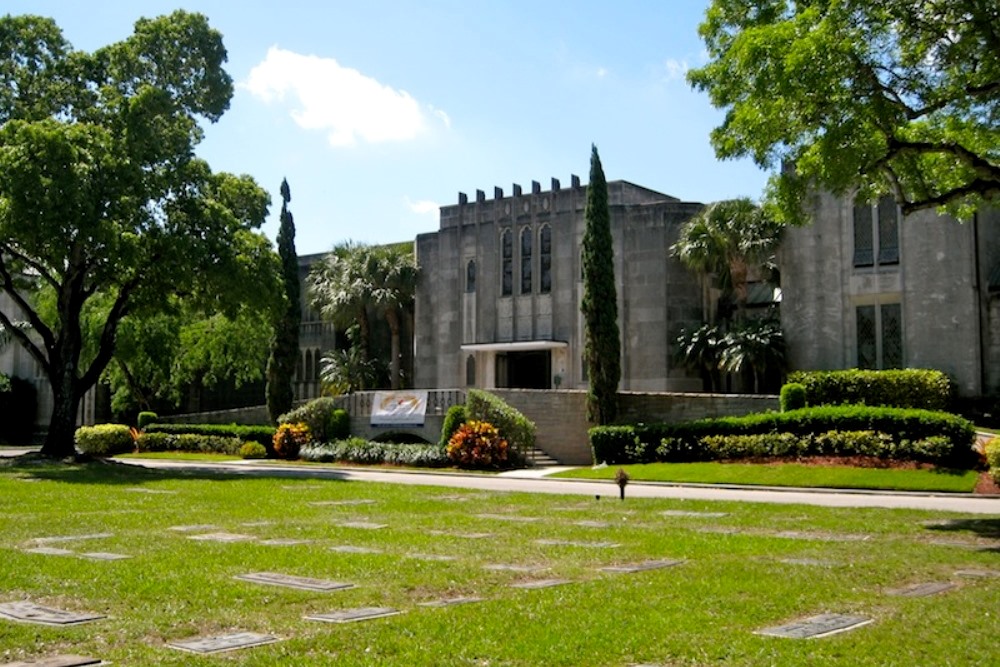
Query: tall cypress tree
[(602, 347), (285, 346)]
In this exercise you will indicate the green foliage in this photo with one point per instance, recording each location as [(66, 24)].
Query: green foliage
[(364, 452), (97, 152), (478, 445), (145, 419), (325, 420), (253, 450), (905, 434), (191, 442), (285, 344), (289, 439), (908, 101), (104, 440), (904, 388), (992, 451), (602, 341), (514, 427), (261, 434), (453, 418), (793, 396)]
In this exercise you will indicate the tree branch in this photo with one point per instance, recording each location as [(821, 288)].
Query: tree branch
[(106, 347), (33, 263), (36, 323), (982, 187)]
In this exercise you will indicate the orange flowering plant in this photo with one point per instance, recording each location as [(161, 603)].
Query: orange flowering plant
[(289, 439), (478, 444)]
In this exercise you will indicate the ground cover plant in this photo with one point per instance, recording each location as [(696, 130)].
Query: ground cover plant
[(791, 474), (745, 567)]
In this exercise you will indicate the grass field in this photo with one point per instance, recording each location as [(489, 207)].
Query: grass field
[(790, 474), (754, 567)]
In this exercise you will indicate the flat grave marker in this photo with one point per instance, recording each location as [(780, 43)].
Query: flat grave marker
[(284, 542), (49, 551), (72, 538), (290, 581), (301, 487), (351, 549), (363, 525), (354, 615), (814, 562), (29, 612), (511, 567), (820, 537), (104, 555), (815, 627), (450, 602), (644, 566), (57, 661), (587, 523), (219, 643), (194, 528), (466, 536), (152, 492), (509, 517), (977, 574), (540, 583), (441, 558), (573, 543), (719, 530), (342, 503), (694, 514), (921, 590), (222, 537), (257, 524)]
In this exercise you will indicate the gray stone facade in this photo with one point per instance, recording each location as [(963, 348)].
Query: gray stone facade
[(847, 306), (493, 318)]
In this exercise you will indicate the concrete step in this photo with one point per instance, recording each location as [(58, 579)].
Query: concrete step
[(539, 459)]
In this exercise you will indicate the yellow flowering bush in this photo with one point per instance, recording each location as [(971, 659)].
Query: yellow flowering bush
[(289, 439), (478, 444)]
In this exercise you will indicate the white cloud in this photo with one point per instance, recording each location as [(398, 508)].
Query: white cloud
[(342, 101), (422, 207), (601, 72), (675, 69)]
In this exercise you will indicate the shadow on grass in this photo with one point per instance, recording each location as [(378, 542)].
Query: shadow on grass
[(982, 527), (104, 471)]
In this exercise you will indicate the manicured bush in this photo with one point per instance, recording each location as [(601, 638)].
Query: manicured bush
[(317, 414), (455, 417), (262, 434), (289, 439), (253, 450), (189, 442), (514, 427), (145, 419), (610, 444), (905, 388), (793, 396), (478, 444), (104, 439), (993, 458), (361, 451)]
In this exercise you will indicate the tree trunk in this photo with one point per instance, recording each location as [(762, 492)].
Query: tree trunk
[(392, 318), (60, 443)]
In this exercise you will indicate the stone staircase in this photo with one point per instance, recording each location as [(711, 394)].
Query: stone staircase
[(539, 459)]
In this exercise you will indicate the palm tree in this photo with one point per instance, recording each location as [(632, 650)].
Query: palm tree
[(393, 288), (727, 241), (756, 347), (700, 351)]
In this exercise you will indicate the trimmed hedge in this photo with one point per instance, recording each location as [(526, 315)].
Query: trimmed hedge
[(908, 433), (455, 417), (359, 450), (261, 434), (993, 458), (104, 439), (189, 442), (793, 397), (518, 430), (325, 420), (905, 388), (146, 418)]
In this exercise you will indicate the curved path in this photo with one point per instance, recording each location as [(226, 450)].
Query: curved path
[(533, 482)]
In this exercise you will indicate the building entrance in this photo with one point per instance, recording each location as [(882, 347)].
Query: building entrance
[(524, 370)]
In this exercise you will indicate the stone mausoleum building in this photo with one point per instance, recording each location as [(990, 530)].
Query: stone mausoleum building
[(866, 287), (498, 302)]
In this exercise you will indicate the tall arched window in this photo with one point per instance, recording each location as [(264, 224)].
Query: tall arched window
[(506, 263), (526, 260), (545, 260), (470, 276), (470, 371)]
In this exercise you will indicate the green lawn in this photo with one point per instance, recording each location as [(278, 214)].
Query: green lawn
[(181, 456), (790, 474), (757, 566)]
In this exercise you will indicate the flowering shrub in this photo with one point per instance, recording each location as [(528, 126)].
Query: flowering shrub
[(289, 439), (478, 444)]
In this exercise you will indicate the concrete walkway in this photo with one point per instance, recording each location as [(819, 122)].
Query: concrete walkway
[(533, 481)]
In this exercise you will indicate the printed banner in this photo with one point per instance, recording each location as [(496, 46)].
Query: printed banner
[(399, 408)]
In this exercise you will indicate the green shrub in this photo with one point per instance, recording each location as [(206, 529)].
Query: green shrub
[(145, 419), (609, 444), (261, 434), (189, 442), (793, 396), (253, 450), (289, 439), (338, 425), (905, 388), (993, 458), (358, 450), (514, 427), (317, 414), (478, 444), (455, 417), (104, 439)]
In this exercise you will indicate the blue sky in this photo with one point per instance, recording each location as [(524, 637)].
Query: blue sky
[(379, 111)]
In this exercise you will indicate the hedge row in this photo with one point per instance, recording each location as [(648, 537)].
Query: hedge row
[(919, 435), (518, 430), (325, 420), (262, 434), (905, 388), (188, 442), (359, 450)]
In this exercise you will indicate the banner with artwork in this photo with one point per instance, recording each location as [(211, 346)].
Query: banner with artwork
[(399, 408)]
